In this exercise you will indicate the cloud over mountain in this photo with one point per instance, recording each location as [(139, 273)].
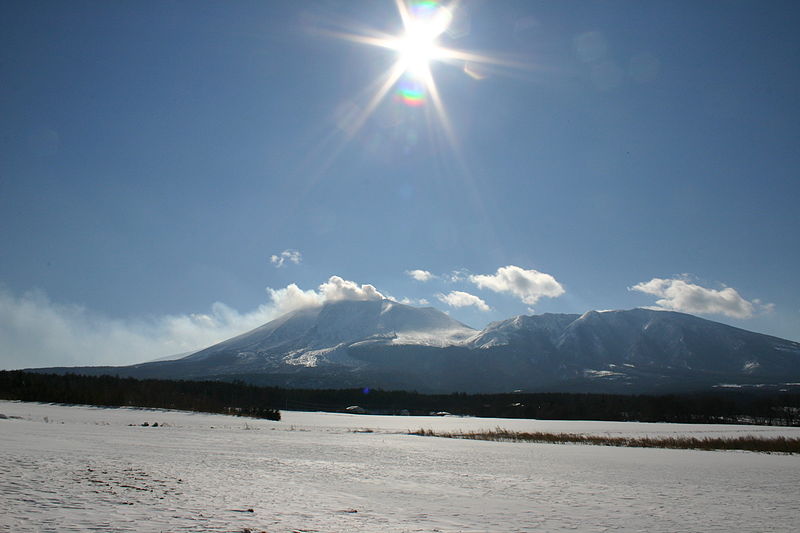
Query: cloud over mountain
[(35, 331), (680, 295), (337, 288), (527, 285), (293, 297), (462, 299)]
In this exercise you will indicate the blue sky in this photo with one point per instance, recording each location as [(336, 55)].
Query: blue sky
[(155, 156)]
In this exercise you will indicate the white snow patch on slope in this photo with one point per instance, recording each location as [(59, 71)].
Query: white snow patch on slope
[(590, 373), (439, 337)]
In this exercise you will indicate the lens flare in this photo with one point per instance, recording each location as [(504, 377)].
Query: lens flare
[(410, 78), (410, 93)]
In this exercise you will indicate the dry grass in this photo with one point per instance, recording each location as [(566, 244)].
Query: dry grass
[(746, 443)]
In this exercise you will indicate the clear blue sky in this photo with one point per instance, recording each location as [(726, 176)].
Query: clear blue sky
[(154, 156)]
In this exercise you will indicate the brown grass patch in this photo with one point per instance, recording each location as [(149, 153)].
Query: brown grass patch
[(747, 443)]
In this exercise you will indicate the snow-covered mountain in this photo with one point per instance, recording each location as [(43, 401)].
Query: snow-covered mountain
[(382, 343), (641, 349), (322, 336)]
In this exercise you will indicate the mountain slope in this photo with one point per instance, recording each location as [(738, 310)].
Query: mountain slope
[(319, 337), (381, 343), (643, 348)]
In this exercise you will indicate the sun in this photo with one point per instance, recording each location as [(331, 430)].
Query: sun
[(424, 23), (416, 48)]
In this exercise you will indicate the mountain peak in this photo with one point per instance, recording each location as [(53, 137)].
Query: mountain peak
[(315, 334), (383, 343)]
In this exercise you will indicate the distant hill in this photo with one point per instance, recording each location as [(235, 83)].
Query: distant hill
[(385, 344)]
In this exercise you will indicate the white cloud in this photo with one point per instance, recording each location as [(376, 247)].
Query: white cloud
[(409, 301), (680, 295), (420, 275), (37, 332), (337, 288), (528, 285), (462, 299), (293, 297), (292, 256), (766, 308), (457, 275)]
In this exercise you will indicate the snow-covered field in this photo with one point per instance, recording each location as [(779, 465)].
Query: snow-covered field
[(90, 469)]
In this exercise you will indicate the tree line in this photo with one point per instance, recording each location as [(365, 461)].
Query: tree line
[(723, 407), (110, 391)]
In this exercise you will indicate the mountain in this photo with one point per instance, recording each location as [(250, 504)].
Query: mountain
[(641, 350), (382, 343), (322, 336)]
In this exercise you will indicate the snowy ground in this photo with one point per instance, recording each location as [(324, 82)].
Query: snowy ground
[(87, 469)]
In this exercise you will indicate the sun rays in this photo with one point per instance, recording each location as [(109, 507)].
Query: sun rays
[(416, 48), (423, 23)]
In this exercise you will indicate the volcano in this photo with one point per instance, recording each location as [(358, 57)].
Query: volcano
[(385, 344)]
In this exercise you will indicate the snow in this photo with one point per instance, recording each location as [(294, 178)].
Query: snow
[(791, 347), (70, 468), (590, 373), (318, 336), (311, 358), (750, 366), (438, 337)]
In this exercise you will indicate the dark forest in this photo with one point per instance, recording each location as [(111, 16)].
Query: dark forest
[(728, 407)]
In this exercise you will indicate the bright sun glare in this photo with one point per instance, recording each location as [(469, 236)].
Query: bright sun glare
[(424, 22)]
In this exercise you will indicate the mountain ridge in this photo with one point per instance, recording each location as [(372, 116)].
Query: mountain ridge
[(386, 344)]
